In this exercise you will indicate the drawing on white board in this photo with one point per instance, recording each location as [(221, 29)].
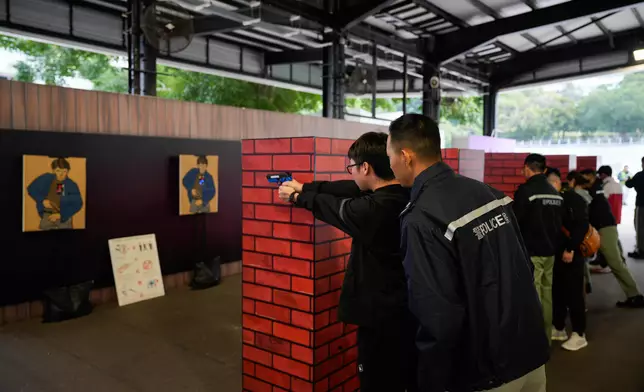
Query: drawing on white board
[(137, 270)]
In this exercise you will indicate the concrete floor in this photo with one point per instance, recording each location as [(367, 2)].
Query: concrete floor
[(190, 341)]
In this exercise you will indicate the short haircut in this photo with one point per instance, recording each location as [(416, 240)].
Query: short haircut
[(553, 170), (579, 178), (535, 162), (605, 170), (371, 148), (418, 133), (202, 160), (60, 163), (589, 172)]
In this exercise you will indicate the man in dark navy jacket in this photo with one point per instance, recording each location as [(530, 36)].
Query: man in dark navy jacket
[(374, 294), (469, 274), (538, 208)]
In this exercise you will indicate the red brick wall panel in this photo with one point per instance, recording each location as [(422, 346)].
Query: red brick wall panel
[(273, 377), (273, 344), (291, 163), (272, 146), (588, 162), (303, 145), (293, 268), (292, 232), (256, 162), (340, 146), (273, 213), (325, 164), (292, 300), (322, 146), (302, 250), (303, 354)]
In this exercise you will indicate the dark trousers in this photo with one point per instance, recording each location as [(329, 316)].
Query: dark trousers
[(568, 295), (387, 356)]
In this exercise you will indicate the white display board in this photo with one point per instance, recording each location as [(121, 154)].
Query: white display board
[(137, 271)]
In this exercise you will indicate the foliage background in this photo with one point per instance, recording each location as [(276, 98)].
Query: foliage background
[(534, 113)]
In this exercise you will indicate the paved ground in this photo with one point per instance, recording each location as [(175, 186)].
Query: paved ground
[(189, 341)]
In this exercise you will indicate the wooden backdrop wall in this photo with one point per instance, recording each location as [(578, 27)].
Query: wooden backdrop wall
[(31, 107), (25, 106)]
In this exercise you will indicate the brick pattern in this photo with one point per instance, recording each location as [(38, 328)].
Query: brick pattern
[(293, 267), (504, 171), (588, 163), (451, 157)]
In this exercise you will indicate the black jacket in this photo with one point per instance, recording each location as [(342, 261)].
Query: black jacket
[(374, 287), (637, 182), (470, 285), (575, 220), (538, 206), (599, 211)]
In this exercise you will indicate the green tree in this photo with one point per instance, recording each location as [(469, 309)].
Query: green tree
[(52, 64)]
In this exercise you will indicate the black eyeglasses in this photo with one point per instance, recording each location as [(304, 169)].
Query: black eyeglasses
[(354, 165)]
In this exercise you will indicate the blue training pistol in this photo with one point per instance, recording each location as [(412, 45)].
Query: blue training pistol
[(279, 178)]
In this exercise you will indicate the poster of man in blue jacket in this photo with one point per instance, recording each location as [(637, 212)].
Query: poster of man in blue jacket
[(58, 198), (198, 195)]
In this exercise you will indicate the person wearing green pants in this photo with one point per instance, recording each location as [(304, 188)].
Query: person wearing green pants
[(538, 207), (602, 219)]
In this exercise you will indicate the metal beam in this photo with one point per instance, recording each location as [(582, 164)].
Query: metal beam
[(563, 31), (430, 7), (214, 24), (293, 56), (638, 16), (486, 9), (300, 8), (453, 45), (530, 3), (604, 30), (386, 40), (352, 16), (533, 60)]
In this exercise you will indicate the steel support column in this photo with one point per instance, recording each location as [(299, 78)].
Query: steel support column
[(333, 71), (135, 30), (149, 59), (404, 103), (489, 111), (431, 91)]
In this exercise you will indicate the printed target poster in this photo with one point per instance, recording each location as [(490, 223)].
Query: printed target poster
[(137, 271)]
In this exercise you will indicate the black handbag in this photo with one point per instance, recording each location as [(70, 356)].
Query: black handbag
[(68, 302), (206, 274)]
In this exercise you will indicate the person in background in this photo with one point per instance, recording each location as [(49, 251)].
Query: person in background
[(538, 208), (374, 292), (568, 289), (637, 183), (602, 219), (622, 177), (613, 193), (469, 275)]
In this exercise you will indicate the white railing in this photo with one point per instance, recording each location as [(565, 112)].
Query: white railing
[(583, 141)]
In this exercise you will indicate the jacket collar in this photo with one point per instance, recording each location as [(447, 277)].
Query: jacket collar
[(436, 170), (537, 177)]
